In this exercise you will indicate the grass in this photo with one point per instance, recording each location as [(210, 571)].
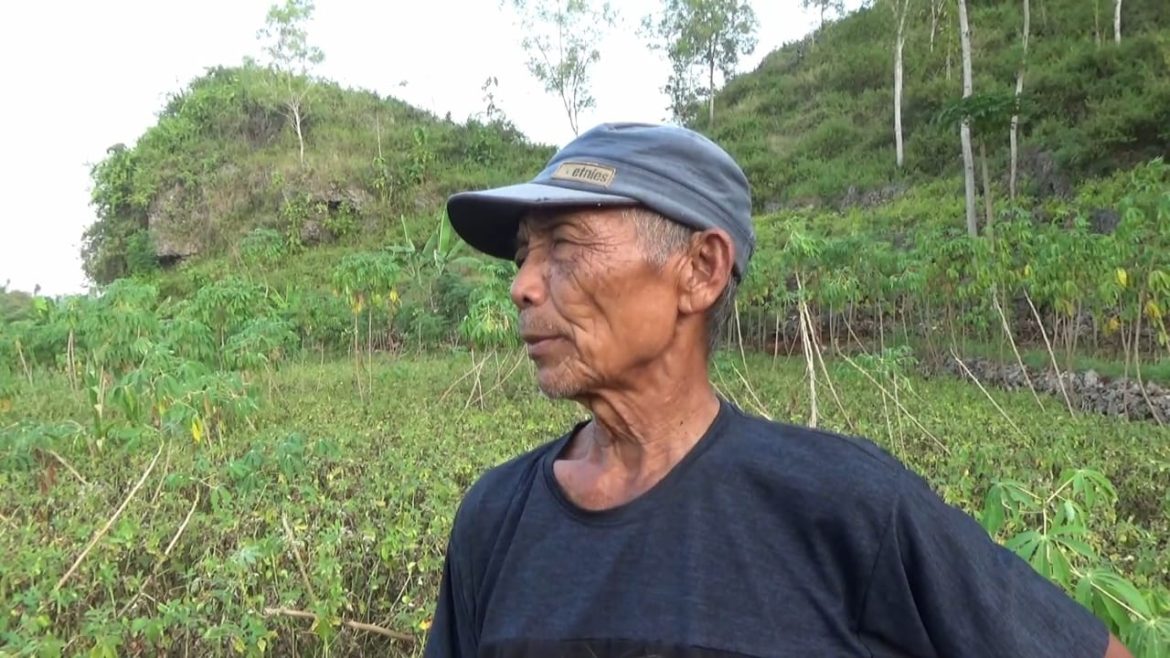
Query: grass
[(325, 505)]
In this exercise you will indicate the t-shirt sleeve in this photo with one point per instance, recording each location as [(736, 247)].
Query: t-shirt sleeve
[(454, 630), (940, 586)]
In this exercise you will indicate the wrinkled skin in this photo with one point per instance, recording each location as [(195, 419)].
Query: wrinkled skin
[(624, 337), (585, 283)]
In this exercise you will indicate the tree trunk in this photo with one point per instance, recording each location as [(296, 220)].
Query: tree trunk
[(1097, 22), (969, 178), (935, 14), (1015, 135), (987, 205), (570, 103), (776, 339), (711, 92), (1117, 21), (965, 129), (296, 110), (903, 7), (72, 367)]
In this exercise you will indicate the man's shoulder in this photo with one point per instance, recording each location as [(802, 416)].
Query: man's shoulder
[(815, 459), (794, 444), (501, 487)]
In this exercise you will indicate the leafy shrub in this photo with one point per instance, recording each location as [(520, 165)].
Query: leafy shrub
[(262, 247)]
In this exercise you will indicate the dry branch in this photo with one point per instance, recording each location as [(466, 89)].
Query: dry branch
[(356, 625), (759, 405), (456, 382), (1137, 363), (292, 542), (1008, 331), (158, 564), (110, 522), (506, 377), (897, 403), (1051, 354), (67, 466), (806, 329), (991, 399), (833, 389)]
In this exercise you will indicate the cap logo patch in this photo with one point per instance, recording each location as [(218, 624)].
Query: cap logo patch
[(583, 172)]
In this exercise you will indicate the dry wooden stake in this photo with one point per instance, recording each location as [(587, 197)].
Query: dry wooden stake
[(110, 522), (356, 625)]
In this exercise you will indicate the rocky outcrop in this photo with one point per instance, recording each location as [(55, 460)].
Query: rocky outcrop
[(855, 197), (1040, 171), (333, 210), (1088, 391), (173, 234), (1104, 220), (183, 221)]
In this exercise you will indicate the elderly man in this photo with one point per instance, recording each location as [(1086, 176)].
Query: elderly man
[(672, 523)]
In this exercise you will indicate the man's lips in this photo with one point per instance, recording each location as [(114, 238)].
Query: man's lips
[(539, 344), (536, 338)]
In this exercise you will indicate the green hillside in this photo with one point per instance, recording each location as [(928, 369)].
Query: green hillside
[(815, 119), (223, 161), (216, 195), (812, 125)]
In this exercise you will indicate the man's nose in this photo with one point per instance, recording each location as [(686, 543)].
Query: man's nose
[(529, 288)]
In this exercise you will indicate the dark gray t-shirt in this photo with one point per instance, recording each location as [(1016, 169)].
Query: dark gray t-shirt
[(765, 540)]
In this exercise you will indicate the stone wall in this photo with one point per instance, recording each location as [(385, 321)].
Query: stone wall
[(1088, 391)]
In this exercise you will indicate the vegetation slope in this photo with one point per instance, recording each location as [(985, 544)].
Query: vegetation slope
[(815, 120), (223, 161)]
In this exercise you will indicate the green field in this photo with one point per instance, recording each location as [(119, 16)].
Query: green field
[(320, 503)]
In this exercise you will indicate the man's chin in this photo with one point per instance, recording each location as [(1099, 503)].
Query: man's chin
[(555, 385), (558, 391)]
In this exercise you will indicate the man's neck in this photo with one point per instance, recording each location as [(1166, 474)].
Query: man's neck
[(636, 437)]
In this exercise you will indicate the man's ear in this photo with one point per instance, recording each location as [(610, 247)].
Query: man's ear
[(706, 270)]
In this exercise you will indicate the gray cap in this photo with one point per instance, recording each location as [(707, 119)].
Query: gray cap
[(674, 171)]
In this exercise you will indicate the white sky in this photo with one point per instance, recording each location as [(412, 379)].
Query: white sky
[(81, 76)]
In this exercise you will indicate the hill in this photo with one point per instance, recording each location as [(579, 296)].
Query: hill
[(814, 122), (223, 161), (218, 195), (812, 125)]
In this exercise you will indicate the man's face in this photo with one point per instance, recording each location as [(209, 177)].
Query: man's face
[(593, 308)]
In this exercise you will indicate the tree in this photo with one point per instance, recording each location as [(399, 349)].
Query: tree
[(987, 114), (711, 34), (1117, 21), (824, 6), (291, 57), (683, 89), (120, 207), (561, 43), (901, 8), (1015, 134), (965, 127), (937, 12)]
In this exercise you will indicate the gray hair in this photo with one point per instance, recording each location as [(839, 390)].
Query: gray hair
[(661, 238)]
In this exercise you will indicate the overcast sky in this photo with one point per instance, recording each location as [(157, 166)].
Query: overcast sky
[(81, 76)]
